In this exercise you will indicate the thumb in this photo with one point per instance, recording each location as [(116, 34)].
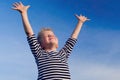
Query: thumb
[(88, 19), (27, 6)]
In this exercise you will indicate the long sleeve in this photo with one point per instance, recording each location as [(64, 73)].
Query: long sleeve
[(34, 45), (66, 50)]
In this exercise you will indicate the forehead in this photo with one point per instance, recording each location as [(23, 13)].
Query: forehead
[(47, 32)]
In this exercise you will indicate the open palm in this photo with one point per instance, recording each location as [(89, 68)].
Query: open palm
[(20, 7)]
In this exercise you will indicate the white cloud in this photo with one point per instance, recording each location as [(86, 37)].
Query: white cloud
[(100, 44), (96, 56), (92, 71)]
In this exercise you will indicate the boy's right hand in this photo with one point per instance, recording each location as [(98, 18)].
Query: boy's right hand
[(20, 7)]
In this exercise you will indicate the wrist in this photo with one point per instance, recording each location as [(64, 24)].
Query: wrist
[(23, 12), (79, 21)]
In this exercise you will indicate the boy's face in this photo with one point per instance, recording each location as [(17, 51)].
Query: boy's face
[(48, 38)]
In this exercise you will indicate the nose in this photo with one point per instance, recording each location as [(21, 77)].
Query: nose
[(51, 36)]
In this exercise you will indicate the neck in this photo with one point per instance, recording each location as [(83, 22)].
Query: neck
[(50, 49)]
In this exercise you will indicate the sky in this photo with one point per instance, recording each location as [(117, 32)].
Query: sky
[(96, 55)]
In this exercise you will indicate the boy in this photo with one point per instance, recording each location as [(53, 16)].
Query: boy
[(52, 64)]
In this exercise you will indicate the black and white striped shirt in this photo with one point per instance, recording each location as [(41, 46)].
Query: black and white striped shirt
[(51, 65)]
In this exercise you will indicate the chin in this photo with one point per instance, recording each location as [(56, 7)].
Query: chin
[(54, 43)]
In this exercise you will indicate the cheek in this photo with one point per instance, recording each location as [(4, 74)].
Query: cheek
[(44, 41), (57, 40)]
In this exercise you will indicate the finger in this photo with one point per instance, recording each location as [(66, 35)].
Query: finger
[(80, 14), (14, 8), (20, 3), (76, 15), (86, 18), (16, 3)]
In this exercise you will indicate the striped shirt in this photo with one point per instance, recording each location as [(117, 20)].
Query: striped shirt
[(51, 65)]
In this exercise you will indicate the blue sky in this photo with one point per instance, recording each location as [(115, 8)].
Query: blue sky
[(96, 55)]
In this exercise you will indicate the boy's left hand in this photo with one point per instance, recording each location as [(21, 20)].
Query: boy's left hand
[(81, 18)]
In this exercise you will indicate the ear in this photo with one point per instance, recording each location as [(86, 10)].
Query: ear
[(56, 45), (41, 43)]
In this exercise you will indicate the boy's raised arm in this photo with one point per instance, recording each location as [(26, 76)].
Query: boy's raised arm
[(23, 11), (81, 20)]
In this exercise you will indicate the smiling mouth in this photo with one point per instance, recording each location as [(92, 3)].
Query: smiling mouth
[(52, 38)]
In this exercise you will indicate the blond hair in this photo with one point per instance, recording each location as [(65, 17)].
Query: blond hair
[(39, 37)]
